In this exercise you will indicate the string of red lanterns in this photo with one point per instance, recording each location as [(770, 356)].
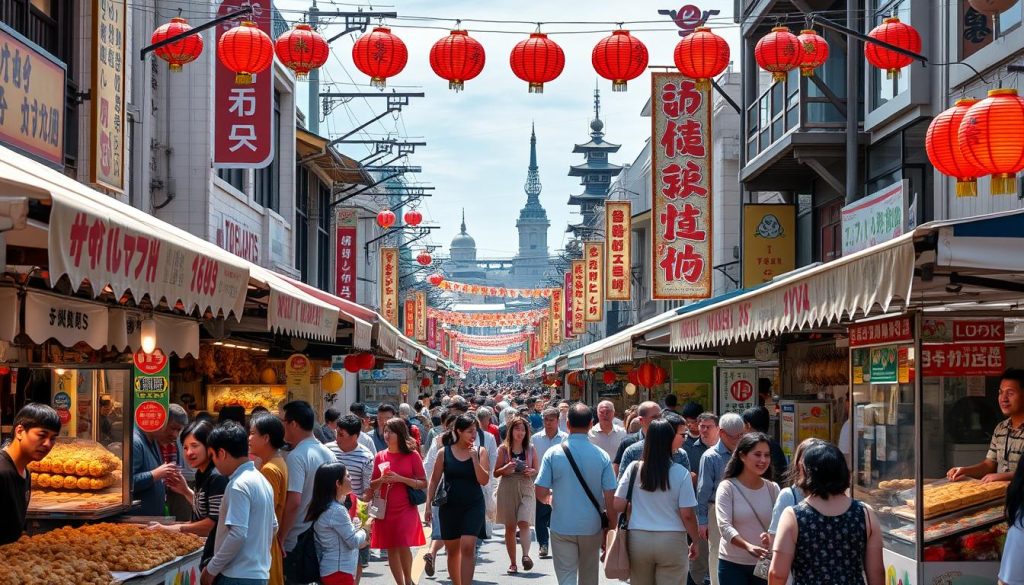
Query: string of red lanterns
[(619, 57), (537, 60), (457, 58), (380, 54)]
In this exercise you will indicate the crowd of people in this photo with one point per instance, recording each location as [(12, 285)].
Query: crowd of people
[(700, 498)]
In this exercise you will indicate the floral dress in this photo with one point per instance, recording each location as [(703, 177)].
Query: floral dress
[(830, 549)]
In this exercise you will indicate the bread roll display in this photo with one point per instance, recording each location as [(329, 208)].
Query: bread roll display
[(80, 458)]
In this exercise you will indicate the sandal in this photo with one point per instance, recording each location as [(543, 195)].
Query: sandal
[(512, 570), (428, 564), (527, 563)]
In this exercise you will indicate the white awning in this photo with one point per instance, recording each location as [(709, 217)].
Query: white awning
[(69, 321), (294, 311), (177, 335), (617, 348)]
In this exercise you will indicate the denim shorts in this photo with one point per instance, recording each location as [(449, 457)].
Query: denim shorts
[(435, 523)]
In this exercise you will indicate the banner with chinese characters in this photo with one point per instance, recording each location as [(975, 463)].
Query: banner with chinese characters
[(346, 233), (578, 270), (963, 347), (389, 285), (432, 333), (151, 390), (617, 218), (491, 340), (568, 304), (243, 114), (32, 87), (593, 281), (556, 316), (488, 319), (681, 188), (421, 316), (545, 335), (494, 291), (877, 218), (106, 163), (409, 318), (769, 242)]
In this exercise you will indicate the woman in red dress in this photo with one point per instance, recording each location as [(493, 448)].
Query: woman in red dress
[(395, 471)]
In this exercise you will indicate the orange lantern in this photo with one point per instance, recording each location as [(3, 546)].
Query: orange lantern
[(813, 52), (991, 138), (895, 33), (778, 52), (702, 55), (180, 52), (246, 50), (943, 146)]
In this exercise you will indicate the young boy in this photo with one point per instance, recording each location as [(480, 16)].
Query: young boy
[(36, 427)]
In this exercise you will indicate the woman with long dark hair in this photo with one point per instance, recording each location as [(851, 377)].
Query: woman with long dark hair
[(1011, 569), (829, 537), (660, 493), (396, 470), (337, 539), (517, 494), (465, 470), (743, 504)]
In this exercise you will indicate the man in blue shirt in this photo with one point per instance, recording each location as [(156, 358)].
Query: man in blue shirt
[(149, 472), (577, 531), (712, 470), (536, 422)]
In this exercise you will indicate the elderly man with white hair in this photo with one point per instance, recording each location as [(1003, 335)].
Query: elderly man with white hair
[(712, 470), (606, 435)]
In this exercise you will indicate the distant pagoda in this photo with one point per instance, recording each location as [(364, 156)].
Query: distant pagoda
[(596, 172)]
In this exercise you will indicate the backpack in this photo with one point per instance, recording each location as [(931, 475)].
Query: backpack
[(302, 565)]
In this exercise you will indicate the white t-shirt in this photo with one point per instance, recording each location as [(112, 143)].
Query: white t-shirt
[(303, 461), (845, 438), (248, 505), (658, 511)]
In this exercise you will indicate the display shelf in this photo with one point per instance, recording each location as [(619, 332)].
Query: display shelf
[(950, 524)]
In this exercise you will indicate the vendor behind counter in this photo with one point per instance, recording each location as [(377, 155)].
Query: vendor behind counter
[(1007, 446)]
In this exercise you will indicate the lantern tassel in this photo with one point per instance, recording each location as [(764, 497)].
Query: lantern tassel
[(1004, 184), (456, 85), (967, 188), (703, 84), (892, 74), (379, 82), (243, 78), (536, 87), (619, 85), (779, 76), (807, 71), (175, 67)]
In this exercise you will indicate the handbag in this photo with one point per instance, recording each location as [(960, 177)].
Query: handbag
[(762, 566), (586, 488), (441, 493), (616, 559), (378, 507)]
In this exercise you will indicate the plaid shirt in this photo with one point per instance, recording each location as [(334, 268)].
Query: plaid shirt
[(1006, 447)]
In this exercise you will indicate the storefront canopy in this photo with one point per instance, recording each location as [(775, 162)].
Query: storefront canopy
[(361, 318)]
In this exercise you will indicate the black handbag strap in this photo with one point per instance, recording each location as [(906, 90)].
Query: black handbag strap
[(579, 476)]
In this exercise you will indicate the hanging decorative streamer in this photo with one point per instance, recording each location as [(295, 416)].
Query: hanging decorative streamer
[(488, 319), (495, 291)]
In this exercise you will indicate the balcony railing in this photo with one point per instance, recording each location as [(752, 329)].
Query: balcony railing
[(796, 104)]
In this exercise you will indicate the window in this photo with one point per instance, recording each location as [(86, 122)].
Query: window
[(268, 179), (301, 228), (829, 218), (233, 177), (884, 87), (1009, 21), (323, 237)]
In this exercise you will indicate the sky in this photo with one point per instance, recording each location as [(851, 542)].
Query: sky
[(477, 149)]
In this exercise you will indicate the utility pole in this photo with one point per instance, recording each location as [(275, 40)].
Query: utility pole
[(313, 99)]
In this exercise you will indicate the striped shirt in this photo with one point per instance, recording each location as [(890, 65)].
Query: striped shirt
[(358, 463), (1006, 447)]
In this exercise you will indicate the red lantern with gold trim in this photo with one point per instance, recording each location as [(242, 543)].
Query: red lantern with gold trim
[(991, 138), (302, 49), (608, 377), (702, 55), (413, 218), (458, 58), (896, 33), (778, 52), (180, 52), (380, 54), (537, 60), (386, 218), (435, 279), (813, 52), (619, 57), (246, 50), (943, 146), (424, 258)]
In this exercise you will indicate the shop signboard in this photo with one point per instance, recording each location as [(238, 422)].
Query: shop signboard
[(389, 285), (557, 319), (769, 242), (298, 372), (962, 330), (898, 329), (390, 372), (240, 239), (568, 299), (681, 190), (109, 44), (346, 233), (963, 359), (883, 364), (420, 327), (877, 218), (151, 387), (737, 388), (618, 216), (32, 84), (432, 333), (578, 270), (243, 113), (593, 282), (409, 318), (68, 321)]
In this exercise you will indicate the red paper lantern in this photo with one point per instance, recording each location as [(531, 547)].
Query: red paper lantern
[(631, 376), (386, 218), (302, 49), (608, 377), (702, 55), (413, 218), (813, 52), (899, 34), (351, 363), (367, 361), (619, 57), (458, 58), (435, 279), (424, 258), (573, 379), (647, 375), (991, 138), (425, 383), (943, 146), (178, 53), (380, 55), (778, 52), (246, 50), (537, 60), (660, 375)]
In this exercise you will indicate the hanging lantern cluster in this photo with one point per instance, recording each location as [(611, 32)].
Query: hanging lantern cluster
[(813, 52), (424, 258), (778, 52), (537, 60), (302, 49), (649, 375), (179, 52), (608, 377), (619, 57), (359, 361), (386, 218), (457, 58), (702, 55), (896, 33), (413, 218), (246, 50), (991, 137), (380, 55), (943, 146)]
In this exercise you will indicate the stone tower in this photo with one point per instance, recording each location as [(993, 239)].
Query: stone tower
[(531, 262)]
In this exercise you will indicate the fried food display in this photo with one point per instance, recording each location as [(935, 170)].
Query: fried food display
[(80, 459), (950, 497), (74, 482), (86, 555)]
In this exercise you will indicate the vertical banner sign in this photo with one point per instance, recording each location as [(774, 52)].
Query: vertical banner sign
[(389, 284), (617, 218), (567, 299), (578, 269), (151, 387), (410, 317), (681, 190), (556, 315), (432, 333), (106, 163), (243, 114), (421, 316), (346, 226), (593, 281), (545, 335), (769, 242), (32, 109)]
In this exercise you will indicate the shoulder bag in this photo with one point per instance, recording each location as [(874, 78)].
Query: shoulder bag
[(590, 496), (616, 560), (762, 566), (441, 493)]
